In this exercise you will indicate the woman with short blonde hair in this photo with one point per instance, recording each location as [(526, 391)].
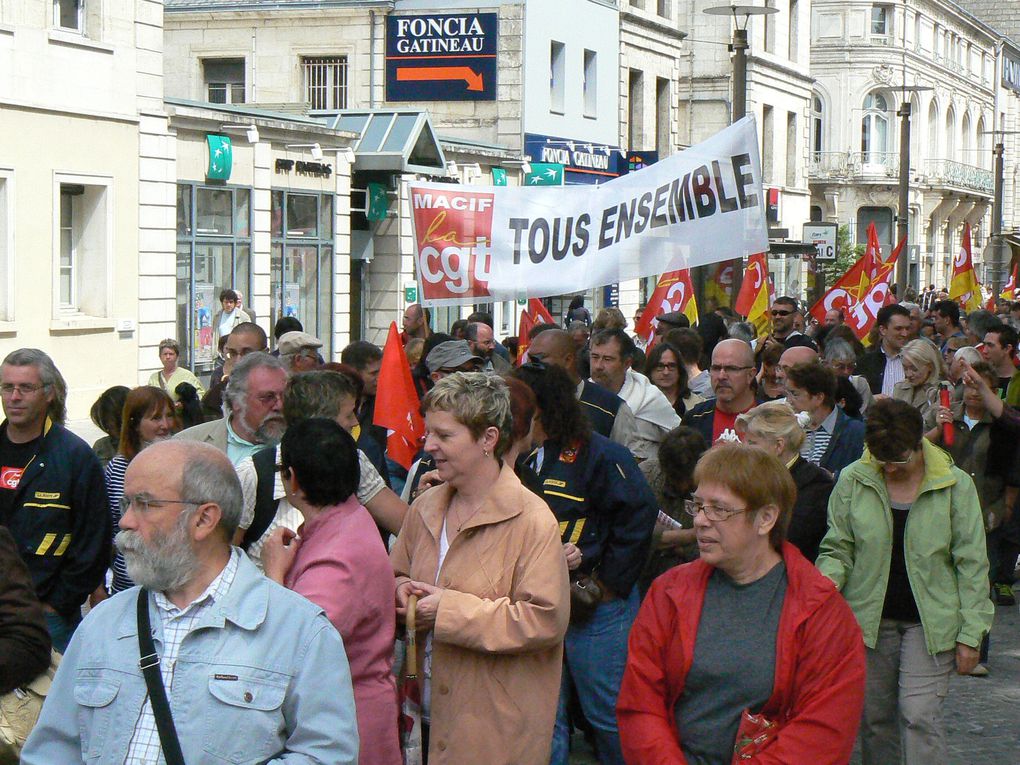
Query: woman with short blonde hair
[(923, 370), (172, 375)]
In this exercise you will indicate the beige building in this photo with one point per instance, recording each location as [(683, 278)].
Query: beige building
[(83, 186)]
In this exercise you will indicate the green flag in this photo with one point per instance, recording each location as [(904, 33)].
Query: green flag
[(378, 202), (221, 157), (544, 174), (498, 176)]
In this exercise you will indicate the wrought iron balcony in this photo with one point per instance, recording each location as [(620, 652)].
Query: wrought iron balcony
[(948, 173), (854, 165)]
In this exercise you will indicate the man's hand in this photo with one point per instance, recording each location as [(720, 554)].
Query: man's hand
[(573, 556), (966, 659)]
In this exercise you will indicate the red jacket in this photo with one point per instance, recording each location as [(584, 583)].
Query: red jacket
[(818, 692)]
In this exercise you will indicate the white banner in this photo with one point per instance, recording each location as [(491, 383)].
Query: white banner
[(697, 207)]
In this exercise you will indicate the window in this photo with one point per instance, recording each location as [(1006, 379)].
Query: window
[(69, 14), (224, 80), (664, 8), (6, 244), (770, 28), (213, 254), (932, 149), (82, 237), (662, 109), (591, 84), (879, 20), (817, 127), (325, 82), (882, 217), (792, 150), (557, 76), (635, 110), (768, 139), (793, 31), (950, 152), (875, 129), (301, 266)]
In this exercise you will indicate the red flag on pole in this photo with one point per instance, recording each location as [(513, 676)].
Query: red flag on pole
[(673, 292), (862, 313), (396, 403), (523, 341), (872, 254), (539, 313)]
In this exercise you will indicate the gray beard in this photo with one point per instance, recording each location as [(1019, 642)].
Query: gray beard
[(270, 430), (167, 564)]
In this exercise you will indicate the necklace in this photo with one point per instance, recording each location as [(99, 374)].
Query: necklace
[(470, 515)]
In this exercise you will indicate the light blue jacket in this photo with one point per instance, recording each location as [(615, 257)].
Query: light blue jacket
[(262, 679)]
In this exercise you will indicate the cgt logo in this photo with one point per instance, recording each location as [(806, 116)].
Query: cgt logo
[(453, 233), (10, 477)]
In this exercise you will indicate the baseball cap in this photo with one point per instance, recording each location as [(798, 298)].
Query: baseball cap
[(450, 355)]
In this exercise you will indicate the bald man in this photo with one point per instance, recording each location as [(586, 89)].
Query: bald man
[(732, 372), (791, 356), (608, 414)]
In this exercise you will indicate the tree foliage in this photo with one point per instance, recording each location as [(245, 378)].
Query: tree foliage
[(847, 254)]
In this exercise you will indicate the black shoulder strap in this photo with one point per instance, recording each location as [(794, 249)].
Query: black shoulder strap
[(149, 663), (265, 505)]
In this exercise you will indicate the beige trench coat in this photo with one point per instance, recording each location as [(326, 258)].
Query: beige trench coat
[(498, 641)]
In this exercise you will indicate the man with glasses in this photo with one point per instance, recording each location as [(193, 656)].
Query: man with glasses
[(732, 372), (52, 493), (252, 409), (252, 671), (244, 339), (784, 314)]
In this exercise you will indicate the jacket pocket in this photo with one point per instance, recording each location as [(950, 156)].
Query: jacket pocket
[(245, 721), (94, 694)]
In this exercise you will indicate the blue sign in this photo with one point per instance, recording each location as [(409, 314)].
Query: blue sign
[(583, 162), (450, 57)]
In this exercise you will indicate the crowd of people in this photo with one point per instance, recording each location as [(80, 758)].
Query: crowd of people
[(708, 548)]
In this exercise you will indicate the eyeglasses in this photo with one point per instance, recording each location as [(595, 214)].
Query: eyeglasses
[(899, 462), (268, 399), (144, 504), (714, 513), (666, 367), (237, 354), (775, 312), (23, 389), (727, 369)]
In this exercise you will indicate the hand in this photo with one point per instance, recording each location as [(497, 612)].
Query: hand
[(403, 592), (428, 605), (943, 415), (426, 482), (278, 553), (573, 556), (966, 659)]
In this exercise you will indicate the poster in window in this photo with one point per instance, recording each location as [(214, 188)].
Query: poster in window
[(204, 300)]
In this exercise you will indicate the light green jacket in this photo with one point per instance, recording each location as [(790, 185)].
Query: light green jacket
[(947, 562)]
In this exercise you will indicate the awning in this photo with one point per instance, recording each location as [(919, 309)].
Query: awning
[(393, 140)]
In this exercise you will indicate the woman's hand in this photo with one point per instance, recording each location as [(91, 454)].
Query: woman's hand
[(966, 659), (428, 604), (573, 555), (403, 592), (278, 553)]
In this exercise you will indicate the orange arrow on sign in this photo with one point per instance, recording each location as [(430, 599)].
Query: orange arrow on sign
[(424, 73)]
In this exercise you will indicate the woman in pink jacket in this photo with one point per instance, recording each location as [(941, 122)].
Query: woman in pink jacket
[(338, 562)]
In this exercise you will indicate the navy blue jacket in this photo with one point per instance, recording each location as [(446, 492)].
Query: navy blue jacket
[(604, 506), (60, 519), (600, 406), (846, 444)]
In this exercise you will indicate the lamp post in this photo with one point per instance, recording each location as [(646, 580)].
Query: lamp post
[(998, 153), (739, 46), (903, 206)]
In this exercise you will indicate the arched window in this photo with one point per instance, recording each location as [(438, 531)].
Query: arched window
[(817, 126), (875, 128), (932, 149), (967, 156), (982, 145), (950, 152)]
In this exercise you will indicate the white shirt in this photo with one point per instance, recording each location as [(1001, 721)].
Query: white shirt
[(144, 748), (893, 372)]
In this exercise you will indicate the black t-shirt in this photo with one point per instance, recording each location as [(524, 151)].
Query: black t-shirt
[(899, 598), (14, 458)]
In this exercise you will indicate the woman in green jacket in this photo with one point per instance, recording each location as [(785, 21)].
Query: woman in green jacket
[(906, 547)]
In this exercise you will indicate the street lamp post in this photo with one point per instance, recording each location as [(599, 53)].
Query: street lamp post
[(739, 47), (998, 153), (903, 205)]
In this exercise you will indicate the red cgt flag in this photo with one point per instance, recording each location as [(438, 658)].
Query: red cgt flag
[(396, 403), (539, 313), (673, 292)]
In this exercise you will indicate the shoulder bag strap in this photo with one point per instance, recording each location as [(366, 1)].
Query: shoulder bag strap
[(149, 664)]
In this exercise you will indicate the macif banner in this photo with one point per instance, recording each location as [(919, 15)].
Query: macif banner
[(699, 206)]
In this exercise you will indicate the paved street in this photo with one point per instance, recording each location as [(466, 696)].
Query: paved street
[(981, 712)]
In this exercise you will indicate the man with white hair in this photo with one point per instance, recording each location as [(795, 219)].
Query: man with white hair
[(252, 409), (246, 670)]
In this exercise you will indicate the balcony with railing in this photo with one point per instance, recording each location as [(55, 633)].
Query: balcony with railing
[(858, 166)]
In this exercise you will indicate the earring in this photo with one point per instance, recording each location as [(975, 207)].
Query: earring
[(485, 452)]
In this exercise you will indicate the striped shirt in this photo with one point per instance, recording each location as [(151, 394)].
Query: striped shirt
[(817, 441), (114, 474), (144, 748)]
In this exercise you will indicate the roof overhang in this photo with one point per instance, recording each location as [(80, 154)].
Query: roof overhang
[(390, 140)]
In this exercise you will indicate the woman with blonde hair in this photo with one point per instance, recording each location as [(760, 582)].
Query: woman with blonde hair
[(172, 375), (483, 555), (776, 428), (922, 372)]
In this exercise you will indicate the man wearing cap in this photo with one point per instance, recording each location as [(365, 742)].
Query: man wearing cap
[(452, 356), (299, 351)]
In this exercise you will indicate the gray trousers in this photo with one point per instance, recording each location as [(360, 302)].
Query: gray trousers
[(906, 687)]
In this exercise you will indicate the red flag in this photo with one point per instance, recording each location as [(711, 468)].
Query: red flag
[(756, 292), (862, 313), (855, 285), (872, 254), (523, 341), (539, 313), (673, 292), (396, 403)]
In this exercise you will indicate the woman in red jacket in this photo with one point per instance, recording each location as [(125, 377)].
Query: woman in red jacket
[(748, 650)]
